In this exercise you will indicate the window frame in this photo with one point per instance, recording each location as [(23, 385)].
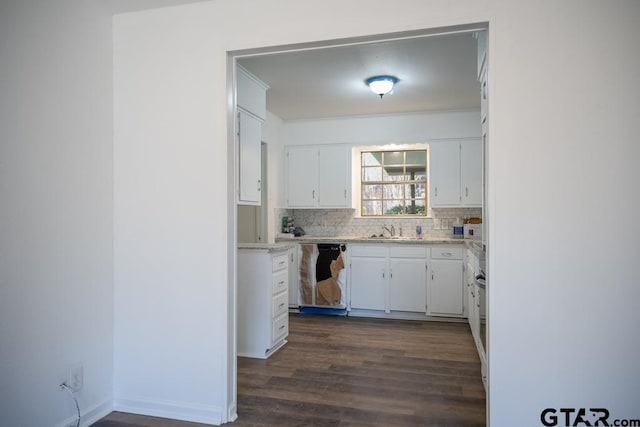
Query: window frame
[(404, 148)]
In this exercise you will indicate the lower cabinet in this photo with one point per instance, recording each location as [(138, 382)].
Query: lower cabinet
[(446, 284), (388, 278), (407, 278), (263, 312), (368, 282)]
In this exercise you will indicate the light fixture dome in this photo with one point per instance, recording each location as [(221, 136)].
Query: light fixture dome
[(381, 85)]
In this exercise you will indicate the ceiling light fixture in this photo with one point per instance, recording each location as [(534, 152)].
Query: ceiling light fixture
[(381, 85)]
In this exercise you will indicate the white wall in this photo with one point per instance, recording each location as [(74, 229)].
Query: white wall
[(56, 294), (563, 154), (170, 194), (562, 110), (384, 129)]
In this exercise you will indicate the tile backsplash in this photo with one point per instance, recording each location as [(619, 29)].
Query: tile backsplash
[(342, 222)]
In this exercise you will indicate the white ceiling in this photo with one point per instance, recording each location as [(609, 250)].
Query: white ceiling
[(436, 73)]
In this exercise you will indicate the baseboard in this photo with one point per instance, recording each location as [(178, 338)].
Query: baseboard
[(89, 415), (206, 414)]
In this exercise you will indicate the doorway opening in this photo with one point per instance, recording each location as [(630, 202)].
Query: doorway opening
[(272, 198)]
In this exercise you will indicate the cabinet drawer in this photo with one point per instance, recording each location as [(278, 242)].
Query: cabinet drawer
[(280, 327), (280, 262), (280, 304), (413, 251), (445, 252), (280, 281), (368, 250)]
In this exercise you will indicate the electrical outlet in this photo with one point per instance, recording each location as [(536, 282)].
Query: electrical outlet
[(75, 379)]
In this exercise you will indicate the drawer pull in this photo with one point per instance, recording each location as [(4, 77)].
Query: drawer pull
[(281, 282), (281, 263), (281, 304), (446, 254), (281, 327)]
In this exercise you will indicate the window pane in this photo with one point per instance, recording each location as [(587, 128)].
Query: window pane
[(371, 174), (394, 191), (394, 173), (417, 157), (371, 207), (370, 158), (394, 207), (393, 158), (414, 191), (415, 207), (372, 191)]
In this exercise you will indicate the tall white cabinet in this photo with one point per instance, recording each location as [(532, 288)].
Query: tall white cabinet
[(251, 112), (318, 176), (263, 300)]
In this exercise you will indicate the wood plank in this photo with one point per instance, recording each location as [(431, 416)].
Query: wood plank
[(357, 372)]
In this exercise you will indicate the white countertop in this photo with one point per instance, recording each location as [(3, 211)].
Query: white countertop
[(427, 240), (270, 247)]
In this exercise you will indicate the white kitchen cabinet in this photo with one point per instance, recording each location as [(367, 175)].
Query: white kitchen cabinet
[(263, 316), (249, 141), (319, 176), (334, 176), (445, 290), (368, 282), (251, 103), (251, 93), (388, 277), (407, 284), (302, 177), (471, 172), (456, 173)]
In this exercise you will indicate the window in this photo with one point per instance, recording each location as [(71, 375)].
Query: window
[(393, 182)]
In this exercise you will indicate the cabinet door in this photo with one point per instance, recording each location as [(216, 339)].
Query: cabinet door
[(302, 177), (407, 285), (251, 93), (445, 173), (471, 172), (334, 180), (446, 288), (250, 130), (368, 283)]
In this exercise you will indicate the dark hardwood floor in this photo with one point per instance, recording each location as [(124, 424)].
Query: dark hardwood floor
[(346, 371)]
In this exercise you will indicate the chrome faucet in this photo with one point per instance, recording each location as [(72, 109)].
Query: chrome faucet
[(392, 230)]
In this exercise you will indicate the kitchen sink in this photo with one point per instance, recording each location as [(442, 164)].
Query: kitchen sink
[(389, 238)]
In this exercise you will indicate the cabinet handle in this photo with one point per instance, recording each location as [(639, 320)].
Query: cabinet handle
[(281, 327), (259, 189), (281, 304), (281, 282), (466, 189), (313, 194), (431, 276), (436, 191), (291, 257), (447, 254), (345, 193), (391, 274)]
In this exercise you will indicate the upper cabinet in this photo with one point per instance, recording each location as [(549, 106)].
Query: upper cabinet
[(252, 94), (456, 173), (251, 100), (319, 176)]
